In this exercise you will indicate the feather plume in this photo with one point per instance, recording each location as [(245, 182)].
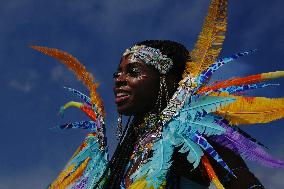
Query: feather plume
[(243, 81), (194, 151), (79, 125), (204, 124), (203, 143), (242, 88), (211, 173), (157, 166), (251, 110), (246, 148), (201, 105), (210, 40), (176, 134), (61, 184), (248, 136), (139, 184), (95, 167), (206, 74), (86, 99), (79, 70)]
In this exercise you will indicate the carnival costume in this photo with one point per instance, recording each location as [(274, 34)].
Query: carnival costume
[(195, 113)]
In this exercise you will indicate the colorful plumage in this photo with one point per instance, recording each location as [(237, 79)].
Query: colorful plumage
[(80, 71), (210, 40), (248, 149), (251, 110), (243, 81), (196, 115)]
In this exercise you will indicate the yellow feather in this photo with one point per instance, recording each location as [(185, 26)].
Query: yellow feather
[(140, 184), (62, 182), (272, 75), (143, 184), (61, 176), (218, 183), (210, 40), (251, 110)]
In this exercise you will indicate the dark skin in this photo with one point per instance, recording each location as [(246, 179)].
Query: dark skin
[(136, 91)]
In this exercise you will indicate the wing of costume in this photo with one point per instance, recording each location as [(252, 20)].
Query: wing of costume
[(199, 113), (89, 162), (196, 114)]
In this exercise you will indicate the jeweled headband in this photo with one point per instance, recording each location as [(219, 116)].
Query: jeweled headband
[(150, 56)]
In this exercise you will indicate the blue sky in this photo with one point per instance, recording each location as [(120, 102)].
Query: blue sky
[(97, 32)]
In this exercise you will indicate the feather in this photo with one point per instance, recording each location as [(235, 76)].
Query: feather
[(194, 151), (210, 40), (79, 70), (246, 148), (205, 75), (84, 97), (139, 184), (211, 173), (251, 110), (245, 134), (96, 165), (241, 88), (204, 124), (203, 143), (71, 178), (172, 131), (62, 176), (68, 105), (200, 106), (243, 81), (88, 110), (79, 125), (157, 166)]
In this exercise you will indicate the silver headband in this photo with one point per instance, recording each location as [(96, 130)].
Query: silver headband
[(150, 56)]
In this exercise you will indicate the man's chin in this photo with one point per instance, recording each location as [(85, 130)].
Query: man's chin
[(124, 109)]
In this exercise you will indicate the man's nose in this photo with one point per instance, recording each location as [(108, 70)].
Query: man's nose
[(121, 79)]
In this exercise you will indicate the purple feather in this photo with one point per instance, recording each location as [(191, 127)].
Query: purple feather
[(248, 149)]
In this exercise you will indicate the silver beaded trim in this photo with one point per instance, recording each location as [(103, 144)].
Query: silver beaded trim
[(150, 56)]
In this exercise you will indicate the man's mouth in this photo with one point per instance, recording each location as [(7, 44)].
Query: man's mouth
[(121, 96)]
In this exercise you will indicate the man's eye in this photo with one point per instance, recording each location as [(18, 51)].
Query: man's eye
[(116, 74), (134, 71)]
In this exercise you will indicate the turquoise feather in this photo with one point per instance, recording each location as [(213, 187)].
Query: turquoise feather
[(205, 125), (158, 165), (200, 105), (96, 166), (188, 146)]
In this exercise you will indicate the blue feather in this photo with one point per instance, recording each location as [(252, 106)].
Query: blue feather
[(204, 124), (158, 165), (205, 75), (203, 143), (81, 95), (235, 89), (200, 106), (79, 125)]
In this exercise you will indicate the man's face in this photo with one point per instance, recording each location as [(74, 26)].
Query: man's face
[(136, 87)]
